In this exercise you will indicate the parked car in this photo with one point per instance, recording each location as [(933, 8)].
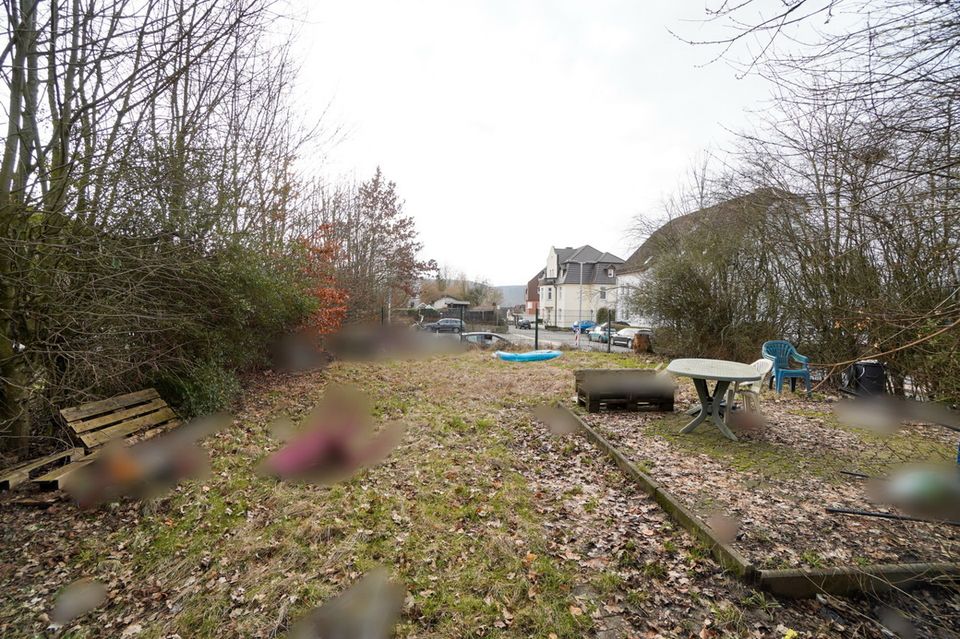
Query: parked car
[(624, 337), (599, 332), (524, 323), (583, 325), (485, 339), (446, 325)]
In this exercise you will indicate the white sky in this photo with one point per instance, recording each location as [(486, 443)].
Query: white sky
[(511, 125)]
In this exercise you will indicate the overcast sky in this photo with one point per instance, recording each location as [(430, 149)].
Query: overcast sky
[(511, 125)]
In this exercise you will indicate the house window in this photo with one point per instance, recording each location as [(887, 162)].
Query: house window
[(610, 272), (603, 293), (549, 293)]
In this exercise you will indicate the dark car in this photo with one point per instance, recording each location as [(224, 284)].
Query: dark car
[(446, 325), (485, 339), (624, 337), (524, 323)]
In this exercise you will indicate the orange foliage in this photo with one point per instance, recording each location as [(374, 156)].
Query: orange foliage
[(318, 267)]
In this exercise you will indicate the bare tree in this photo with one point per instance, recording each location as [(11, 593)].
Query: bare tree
[(378, 262), (148, 145)]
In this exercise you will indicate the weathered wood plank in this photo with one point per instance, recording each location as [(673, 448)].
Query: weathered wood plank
[(797, 583), (55, 478), (107, 405), (159, 430), (12, 479), (95, 438), (18, 474), (82, 426), (800, 583), (725, 555)]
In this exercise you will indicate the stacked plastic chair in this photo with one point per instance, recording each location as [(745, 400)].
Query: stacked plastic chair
[(783, 355)]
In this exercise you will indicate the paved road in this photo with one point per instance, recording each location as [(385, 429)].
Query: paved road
[(553, 339)]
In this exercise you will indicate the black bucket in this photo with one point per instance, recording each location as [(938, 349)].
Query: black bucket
[(865, 378)]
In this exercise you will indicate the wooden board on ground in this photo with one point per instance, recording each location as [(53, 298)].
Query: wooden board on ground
[(629, 388), (55, 478), (131, 417), (20, 473)]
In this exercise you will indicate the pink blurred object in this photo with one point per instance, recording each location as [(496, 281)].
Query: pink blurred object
[(337, 440)]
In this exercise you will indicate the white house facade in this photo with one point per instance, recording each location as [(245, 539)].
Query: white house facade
[(744, 210), (576, 283), (627, 310)]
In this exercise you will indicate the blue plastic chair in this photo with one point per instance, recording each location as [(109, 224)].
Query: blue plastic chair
[(781, 352)]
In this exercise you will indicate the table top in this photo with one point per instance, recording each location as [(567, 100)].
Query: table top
[(718, 369)]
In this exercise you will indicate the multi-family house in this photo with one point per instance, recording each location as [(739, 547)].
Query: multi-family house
[(744, 211), (576, 283)]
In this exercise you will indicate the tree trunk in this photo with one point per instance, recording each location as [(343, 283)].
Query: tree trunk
[(14, 417)]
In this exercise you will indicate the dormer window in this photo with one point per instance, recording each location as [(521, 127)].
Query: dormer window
[(610, 271)]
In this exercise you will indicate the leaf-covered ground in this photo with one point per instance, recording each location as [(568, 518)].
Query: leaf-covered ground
[(494, 527), (777, 480)]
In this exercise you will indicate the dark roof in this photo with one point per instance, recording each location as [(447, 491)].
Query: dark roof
[(592, 273), (595, 264), (587, 254), (741, 210)]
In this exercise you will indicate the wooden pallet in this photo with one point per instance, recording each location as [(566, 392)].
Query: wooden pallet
[(130, 417), (625, 388), (26, 471), (96, 423)]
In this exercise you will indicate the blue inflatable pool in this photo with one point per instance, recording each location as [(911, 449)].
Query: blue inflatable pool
[(532, 356)]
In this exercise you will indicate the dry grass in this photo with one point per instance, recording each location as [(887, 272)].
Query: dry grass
[(448, 514), (494, 528)]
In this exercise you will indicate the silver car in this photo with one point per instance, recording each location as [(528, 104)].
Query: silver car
[(485, 339)]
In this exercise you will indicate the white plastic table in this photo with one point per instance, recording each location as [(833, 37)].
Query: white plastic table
[(724, 373)]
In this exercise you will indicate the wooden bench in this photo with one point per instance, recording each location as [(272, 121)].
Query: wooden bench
[(626, 388), (132, 417)]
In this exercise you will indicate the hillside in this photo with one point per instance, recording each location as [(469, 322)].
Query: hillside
[(512, 295)]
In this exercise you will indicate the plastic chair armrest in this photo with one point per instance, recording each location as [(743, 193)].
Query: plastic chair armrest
[(803, 359)]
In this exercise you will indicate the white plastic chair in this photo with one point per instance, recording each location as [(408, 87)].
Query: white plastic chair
[(750, 390)]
